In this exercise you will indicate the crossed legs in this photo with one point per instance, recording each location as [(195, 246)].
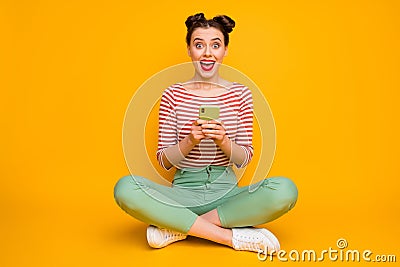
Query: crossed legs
[(208, 226), (274, 197)]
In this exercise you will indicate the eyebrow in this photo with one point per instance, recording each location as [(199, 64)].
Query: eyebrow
[(214, 39)]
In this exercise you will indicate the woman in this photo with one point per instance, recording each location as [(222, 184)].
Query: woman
[(206, 201)]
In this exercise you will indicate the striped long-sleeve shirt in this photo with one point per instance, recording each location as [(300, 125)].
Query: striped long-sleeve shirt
[(179, 108)]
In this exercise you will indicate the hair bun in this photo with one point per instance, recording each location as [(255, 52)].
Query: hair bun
[(193, 19), (226, 22)]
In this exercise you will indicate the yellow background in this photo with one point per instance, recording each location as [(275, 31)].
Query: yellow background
[(329, 70)]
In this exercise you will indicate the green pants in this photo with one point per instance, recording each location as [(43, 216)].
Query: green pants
[(197, 191)]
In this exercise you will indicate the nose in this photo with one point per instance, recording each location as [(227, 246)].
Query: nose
[(207, 52)]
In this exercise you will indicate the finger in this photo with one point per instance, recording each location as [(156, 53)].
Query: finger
[(196, 128), (197, 133), (219, 127), (215, 136), (208, 126), (214, 132), (216, 122), (199, 136), (212, 126), (200, 122)]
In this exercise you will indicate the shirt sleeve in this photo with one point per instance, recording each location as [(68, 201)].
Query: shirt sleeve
[(167, 127), (244, 137)]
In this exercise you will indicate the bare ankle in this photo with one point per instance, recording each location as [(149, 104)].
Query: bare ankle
[(229, 237)]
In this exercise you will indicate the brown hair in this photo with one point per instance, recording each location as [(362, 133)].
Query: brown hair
[(223, 23)]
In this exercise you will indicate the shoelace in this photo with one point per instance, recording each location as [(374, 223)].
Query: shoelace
[(252, 243), (168, 234)]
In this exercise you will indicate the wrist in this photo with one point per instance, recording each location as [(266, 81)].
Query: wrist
[(191, 142), (224, 142)]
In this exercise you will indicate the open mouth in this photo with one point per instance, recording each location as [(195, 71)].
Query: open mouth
[(207, 65)]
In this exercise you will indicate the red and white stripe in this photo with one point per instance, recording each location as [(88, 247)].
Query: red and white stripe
[(179, 109)]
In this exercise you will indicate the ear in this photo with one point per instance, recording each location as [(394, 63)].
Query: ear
[(226, 51), (188, 50)]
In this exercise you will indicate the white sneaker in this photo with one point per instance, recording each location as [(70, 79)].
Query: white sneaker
[(159, 238), (255, 239)]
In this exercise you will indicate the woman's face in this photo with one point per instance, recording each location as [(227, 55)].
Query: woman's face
[(207, 51)]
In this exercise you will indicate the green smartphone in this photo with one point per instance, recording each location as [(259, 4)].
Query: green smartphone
[(208, 112)]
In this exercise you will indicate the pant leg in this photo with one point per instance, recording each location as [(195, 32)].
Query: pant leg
[(273, 198), (152, 203)]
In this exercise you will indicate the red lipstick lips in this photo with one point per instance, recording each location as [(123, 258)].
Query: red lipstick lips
[(207, 65)]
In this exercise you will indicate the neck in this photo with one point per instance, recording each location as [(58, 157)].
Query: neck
[(214, 80)]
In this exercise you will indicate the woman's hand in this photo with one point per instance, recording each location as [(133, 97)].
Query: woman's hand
[(196, 133), (215, 130)]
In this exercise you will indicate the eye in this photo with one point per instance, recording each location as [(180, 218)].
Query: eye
[(198, 45), (216, 45)]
